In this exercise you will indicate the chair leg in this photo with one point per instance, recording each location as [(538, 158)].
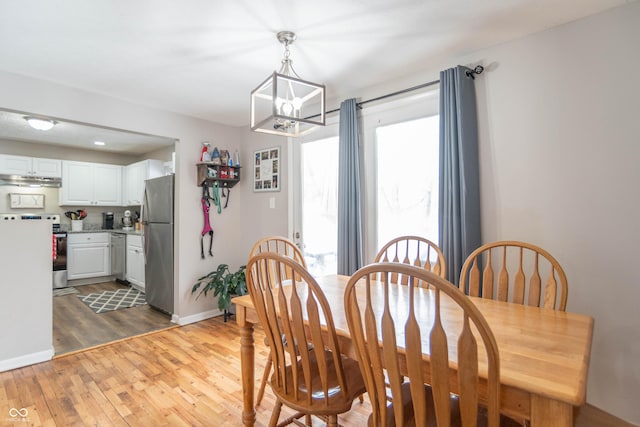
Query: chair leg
[(294, 420), (332, 421), (265, 378), (273, 422)]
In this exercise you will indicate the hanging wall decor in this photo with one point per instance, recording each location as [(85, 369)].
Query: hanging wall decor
[(266, 175)]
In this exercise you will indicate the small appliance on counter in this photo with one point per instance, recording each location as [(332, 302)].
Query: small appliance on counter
[(107, 220), (127, 222)]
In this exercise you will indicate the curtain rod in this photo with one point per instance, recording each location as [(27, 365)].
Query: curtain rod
[(470, 73)]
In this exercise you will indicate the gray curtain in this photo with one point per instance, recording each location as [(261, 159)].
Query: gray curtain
[(349, 209), (459, 210)]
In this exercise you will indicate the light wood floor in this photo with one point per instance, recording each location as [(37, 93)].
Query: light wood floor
[(76, 326), (186, 376)]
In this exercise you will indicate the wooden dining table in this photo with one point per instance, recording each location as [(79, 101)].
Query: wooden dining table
[(544, 355)]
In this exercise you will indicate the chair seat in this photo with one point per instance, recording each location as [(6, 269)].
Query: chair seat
[(431, 421), (337, 402)]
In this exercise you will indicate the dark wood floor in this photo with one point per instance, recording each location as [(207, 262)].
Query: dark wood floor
[(76, 326)]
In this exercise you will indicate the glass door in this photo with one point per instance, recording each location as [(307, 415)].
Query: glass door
[(314, 199), (319, 204)]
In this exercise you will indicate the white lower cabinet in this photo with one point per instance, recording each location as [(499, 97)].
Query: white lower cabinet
[(88, 255), (135, 261)]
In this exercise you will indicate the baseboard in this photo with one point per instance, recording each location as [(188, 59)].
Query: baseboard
[(90, 280), (26, 360), (186, 320)]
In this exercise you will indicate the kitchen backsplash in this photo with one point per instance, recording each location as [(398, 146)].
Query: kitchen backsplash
[(93, 221)]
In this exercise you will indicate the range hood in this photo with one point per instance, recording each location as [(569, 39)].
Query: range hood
[(29, 181)]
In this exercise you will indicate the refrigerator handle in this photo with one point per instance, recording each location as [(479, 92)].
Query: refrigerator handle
[(143, 209), (143, 223)]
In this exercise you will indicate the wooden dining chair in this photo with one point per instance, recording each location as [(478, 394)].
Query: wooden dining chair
[(310, 373), (413, 250), (521, 269), (442, 391), (283, 246), (280, 245)]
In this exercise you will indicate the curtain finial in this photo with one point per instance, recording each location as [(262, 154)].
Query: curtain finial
[(472, 72)]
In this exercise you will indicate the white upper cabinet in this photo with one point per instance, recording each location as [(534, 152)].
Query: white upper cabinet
[(30, 166), (96, 184), (47, 168), (134, 177), (108, 185)]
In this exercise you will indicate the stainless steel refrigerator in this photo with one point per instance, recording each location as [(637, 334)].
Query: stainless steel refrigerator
[(157, 238)]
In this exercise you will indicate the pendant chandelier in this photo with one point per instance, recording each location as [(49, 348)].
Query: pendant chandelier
[(284, 104)]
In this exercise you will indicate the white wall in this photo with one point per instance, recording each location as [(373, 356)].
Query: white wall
[(33, 149), (26, 320), (559, 151), (559, 146), (258, 219)]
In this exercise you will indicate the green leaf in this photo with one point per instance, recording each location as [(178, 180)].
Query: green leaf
[(223, 284)]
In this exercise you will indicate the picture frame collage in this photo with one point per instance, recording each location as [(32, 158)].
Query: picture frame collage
[(266, 176)]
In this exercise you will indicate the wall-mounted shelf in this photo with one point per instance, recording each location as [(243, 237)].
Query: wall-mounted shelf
[(225, 176)]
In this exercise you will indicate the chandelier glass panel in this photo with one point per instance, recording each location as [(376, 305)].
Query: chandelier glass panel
[(284, 104)]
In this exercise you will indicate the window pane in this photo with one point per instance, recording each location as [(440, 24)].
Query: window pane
[(320, 205), (407, 179)]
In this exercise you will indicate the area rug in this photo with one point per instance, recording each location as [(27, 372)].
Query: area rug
[(101, 302), (64, 291)]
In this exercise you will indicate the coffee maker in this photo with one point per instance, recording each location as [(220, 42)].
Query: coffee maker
[(107, 220)]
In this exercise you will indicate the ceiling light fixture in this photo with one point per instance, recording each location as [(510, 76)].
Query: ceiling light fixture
[(99, 143), (284, 104), (40, 124)]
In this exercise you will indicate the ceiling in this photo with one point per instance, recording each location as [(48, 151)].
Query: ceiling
[(13, 126), (202, 58)]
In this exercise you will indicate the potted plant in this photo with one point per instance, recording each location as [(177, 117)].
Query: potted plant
[(224, 284)]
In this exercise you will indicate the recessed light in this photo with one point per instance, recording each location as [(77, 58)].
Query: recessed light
[(40, 124), (99, 143)]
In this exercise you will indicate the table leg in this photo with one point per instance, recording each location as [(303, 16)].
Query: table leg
[(550, 413), (247, 362)]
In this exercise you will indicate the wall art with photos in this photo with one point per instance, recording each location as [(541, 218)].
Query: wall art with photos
[(266, 175)]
